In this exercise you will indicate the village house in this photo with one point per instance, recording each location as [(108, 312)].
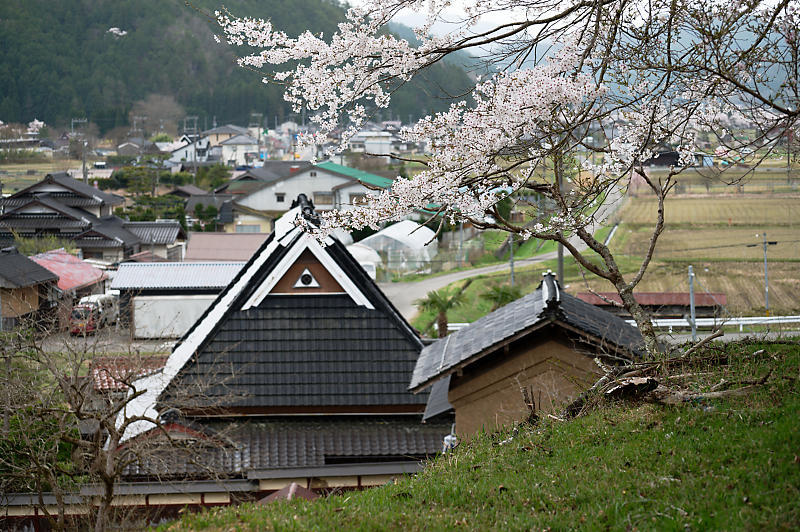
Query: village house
[(263, 194), (26, 290), (68, 209), (534, 354)]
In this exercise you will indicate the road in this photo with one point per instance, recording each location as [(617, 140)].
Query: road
[(403, 295)]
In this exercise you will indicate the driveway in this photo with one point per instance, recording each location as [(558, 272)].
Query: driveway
[(110, 340), (403, 295)]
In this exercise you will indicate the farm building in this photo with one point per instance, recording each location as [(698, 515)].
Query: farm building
[(536, 353), (661, 304)]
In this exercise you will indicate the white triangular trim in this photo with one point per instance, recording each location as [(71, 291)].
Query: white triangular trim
[(307, 242), (312, 284)]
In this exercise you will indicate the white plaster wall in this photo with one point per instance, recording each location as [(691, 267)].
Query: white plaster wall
[(302, 182)]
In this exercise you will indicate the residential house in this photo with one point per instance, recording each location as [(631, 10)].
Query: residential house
[(661, 304), (217, 135), (534, 354), (303, 364), (263, 194), (241, 150), (186, 191), (65, 208), (196, 151), (162, 238), (26, 289)]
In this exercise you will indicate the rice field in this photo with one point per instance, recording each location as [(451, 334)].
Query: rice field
[(721, 237), (724, 211)]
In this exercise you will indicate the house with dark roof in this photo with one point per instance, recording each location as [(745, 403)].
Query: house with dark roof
[(534, 354), (69, 209), (264, 194), (26, 289), (303, 364)]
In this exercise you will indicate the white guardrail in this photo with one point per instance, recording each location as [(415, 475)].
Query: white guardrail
[(716, 322), (701, 323)]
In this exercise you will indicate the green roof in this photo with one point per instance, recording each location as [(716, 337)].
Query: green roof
[(360, 175)]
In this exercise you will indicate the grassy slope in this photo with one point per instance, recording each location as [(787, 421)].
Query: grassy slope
[(718, 465)]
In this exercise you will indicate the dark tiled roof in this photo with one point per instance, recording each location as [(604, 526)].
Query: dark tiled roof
[(206, 199), (51, 203), (260, 445), (18, 271), (437, 400), (276, 170), (300, 351), (545, 305), (164, 232), (89, 194), (228, 129), (114, 228), (81, 188)]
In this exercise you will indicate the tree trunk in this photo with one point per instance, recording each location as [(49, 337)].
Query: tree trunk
[(441, 324), (641, 317)]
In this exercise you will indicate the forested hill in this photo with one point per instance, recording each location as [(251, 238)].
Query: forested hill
[(60, 61)]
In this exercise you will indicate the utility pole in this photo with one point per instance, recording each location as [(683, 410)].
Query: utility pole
[(83, 144), (558, 175), (195, 141), (766, 277), (511, 256), (691, 304)]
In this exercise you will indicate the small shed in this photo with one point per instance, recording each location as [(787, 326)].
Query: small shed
[(164, 299), (405, 246), (536, 353), (75, 276)]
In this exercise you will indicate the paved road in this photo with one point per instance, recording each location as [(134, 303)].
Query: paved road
[(107, 340), (403, 295)]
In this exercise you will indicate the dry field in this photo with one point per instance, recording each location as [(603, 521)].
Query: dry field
[(733, 210), (18, 176), (742, 282)]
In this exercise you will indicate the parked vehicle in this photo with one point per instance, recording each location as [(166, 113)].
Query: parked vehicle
[(93, 312)]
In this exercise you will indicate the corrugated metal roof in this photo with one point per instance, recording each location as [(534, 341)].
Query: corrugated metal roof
[(72, 272), (274, 445), (175, 275), (223, 246), (707, 299)]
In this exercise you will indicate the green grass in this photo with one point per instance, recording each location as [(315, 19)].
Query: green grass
[(727, 464)]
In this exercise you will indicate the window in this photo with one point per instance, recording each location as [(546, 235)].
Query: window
[(358, 199), (280, 197), (323, 198), (248, 228), (313, 173)]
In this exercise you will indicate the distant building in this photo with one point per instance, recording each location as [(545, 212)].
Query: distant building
[(661, 304)]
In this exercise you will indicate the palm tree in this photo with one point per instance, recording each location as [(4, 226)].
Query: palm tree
[(439, 302), (501, 295)]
